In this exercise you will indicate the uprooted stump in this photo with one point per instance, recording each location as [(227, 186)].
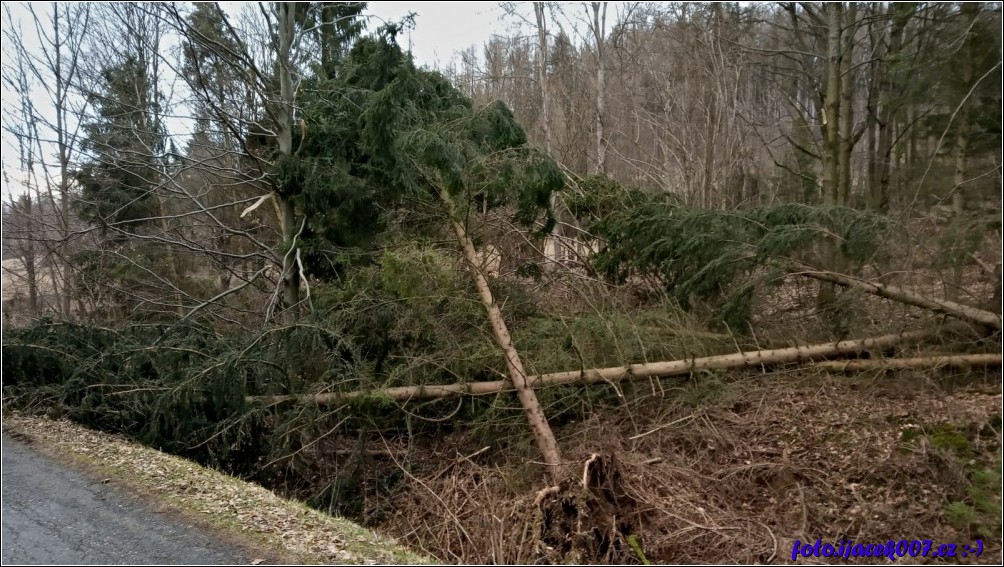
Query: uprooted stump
[(590, 519)]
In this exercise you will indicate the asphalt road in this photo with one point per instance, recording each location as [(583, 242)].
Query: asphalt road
[(52, 514)]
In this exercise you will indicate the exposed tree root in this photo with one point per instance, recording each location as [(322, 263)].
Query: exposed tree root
[(591, 518)]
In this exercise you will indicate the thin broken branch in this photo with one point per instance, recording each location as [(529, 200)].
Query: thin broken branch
[(952, 308)]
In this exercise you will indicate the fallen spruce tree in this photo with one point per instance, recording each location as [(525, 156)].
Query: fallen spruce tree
[(747, 359), (957, 310)]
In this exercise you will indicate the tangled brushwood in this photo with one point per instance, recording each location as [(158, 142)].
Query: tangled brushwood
[(683, 439), (714, 462)]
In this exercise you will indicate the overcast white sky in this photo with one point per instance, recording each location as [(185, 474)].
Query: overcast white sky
[(442, 29)]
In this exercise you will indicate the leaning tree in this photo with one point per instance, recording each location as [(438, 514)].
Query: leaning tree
[(381, 132)]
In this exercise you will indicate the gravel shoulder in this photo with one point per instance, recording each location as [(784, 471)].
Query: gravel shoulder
[(55, 515), (105, 498)]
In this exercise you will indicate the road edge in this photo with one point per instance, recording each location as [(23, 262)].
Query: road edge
[(236, 511)]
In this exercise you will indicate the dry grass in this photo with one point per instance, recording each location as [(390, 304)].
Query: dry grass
[(733, 474)]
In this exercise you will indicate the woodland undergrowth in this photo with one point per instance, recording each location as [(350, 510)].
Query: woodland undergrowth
[(714, 466)]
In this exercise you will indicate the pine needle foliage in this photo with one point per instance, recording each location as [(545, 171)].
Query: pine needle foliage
[(179, 387), (381, 134), (965, 235), (377, 135), (414, 319), (721, 257)]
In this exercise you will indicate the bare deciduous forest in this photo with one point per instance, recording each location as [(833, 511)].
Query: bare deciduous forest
[(627, 283)]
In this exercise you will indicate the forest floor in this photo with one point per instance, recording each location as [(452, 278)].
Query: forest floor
[(715, 469)]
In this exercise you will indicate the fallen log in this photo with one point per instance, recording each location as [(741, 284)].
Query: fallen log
[(952, 308), (952, 361), (808, 353)]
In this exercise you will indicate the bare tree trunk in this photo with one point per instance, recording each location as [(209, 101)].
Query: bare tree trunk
[(599, 17), (64, 160), (546, 442), (831, 150), (877, 72), (955, 361), (945, 306), (831, 106), (545, 95), (881, 198), (846, 121), (887, 114), (28, 252), (958, 192), (284, 113), (961, 150), (748, 359), (545, 111), (56, 63), (711, 129), (872, 134)]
